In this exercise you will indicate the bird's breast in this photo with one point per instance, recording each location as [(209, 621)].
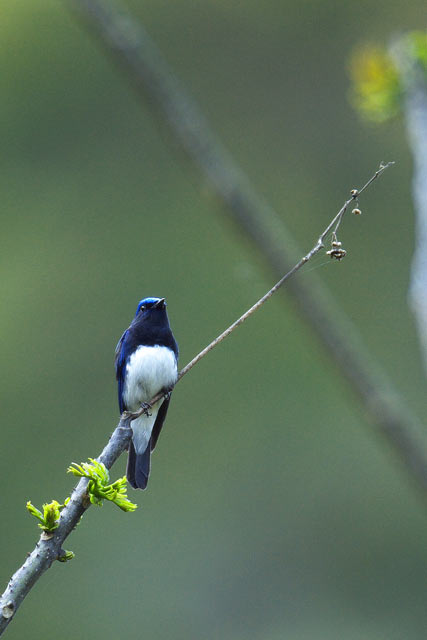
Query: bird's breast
[(149, 369)]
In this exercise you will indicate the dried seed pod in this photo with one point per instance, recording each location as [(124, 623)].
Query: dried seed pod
[(337, 253)]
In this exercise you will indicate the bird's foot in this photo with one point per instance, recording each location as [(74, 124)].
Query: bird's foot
[(146, 406)]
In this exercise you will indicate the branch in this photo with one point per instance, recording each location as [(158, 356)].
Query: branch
[(49, 547), (336, 252), (131, 47)]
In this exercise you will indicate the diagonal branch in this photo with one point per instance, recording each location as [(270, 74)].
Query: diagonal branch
[(334, 224)]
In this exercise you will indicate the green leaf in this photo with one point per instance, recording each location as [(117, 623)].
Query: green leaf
[(34, 511)]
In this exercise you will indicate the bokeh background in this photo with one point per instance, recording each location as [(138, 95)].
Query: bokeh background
[(273, 512)]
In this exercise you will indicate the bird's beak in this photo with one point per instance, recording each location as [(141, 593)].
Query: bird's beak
[(160, 303)]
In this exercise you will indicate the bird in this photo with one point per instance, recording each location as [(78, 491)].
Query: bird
[(146, 363)]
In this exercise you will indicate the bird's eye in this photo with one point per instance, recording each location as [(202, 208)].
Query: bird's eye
[(142, 308)]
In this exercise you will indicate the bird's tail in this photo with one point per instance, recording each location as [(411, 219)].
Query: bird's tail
[(138, 467)]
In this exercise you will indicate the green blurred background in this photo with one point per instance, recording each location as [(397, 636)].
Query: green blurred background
[(272, 511)]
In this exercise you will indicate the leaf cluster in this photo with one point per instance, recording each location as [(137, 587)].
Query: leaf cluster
[(99, 487), (49, 519)]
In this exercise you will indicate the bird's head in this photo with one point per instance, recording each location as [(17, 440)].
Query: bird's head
[(151, 324), (148, 305)]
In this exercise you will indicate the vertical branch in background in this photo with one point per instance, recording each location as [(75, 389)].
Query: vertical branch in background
[(131, 47), (413, 78), (387, 82)]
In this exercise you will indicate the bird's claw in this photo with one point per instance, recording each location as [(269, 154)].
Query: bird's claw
[(146, 406)]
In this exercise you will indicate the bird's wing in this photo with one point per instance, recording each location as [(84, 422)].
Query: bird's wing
[(157, 427), (120, 366)]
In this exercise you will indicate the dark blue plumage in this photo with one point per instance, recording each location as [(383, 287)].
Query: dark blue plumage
[(146, 363)]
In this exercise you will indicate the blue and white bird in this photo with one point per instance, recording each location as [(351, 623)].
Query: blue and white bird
[(146, 363)]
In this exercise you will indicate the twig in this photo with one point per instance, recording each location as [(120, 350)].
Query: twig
[(334, 224), (49, 548)]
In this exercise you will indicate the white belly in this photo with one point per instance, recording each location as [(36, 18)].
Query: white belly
[(149, 370)]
